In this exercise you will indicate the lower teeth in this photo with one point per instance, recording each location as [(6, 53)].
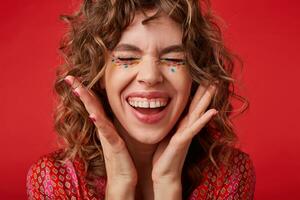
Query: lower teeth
[(149, 110)]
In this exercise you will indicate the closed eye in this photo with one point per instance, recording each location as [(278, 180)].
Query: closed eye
[(173, 60), (127, 59)]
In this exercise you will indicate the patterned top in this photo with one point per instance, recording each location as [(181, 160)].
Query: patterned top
[(50, 179)]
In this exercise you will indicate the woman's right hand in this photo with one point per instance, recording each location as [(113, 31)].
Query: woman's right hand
[(121, 172)]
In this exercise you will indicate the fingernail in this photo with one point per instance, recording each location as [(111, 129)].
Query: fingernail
[(68, 82), (92, 119), (76, 93), (215, 113)]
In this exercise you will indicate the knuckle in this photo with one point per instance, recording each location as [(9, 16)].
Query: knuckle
[(120, 144), (76, 85), (177, 141)]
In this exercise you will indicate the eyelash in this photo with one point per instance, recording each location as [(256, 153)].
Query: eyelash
[(127, 59), (176, 60), (163, 59)]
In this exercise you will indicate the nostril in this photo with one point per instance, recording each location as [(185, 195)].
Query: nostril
[(149, 73), (150, 79)]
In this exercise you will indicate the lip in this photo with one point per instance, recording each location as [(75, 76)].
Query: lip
[(149, 118)]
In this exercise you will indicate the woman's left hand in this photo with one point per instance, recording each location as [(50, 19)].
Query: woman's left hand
[(170, 155)]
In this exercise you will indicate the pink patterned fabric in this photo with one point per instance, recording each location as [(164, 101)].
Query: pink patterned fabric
[(50, 179), (237, 181)]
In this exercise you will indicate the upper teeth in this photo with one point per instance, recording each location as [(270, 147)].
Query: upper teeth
[(147, 103)]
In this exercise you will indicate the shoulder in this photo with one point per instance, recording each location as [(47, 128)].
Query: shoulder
[(233, 179), (52, 178), (48, 160), (239, 163), (240, 171)]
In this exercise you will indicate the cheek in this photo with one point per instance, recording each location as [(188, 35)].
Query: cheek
[(116, 78), (179, 77)]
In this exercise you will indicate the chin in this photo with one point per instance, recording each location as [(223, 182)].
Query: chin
[(148, 136)]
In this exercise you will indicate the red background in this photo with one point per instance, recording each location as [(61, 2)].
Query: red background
[(264, 33)]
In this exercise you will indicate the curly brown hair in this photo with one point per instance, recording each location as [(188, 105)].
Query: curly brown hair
[(96, 29)]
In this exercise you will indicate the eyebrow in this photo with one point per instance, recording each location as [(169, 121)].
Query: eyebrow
[(130, 47)]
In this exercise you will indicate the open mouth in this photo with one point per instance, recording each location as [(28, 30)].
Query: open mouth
[(148, 110)]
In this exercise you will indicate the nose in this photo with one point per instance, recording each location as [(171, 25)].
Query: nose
[(149, 73)]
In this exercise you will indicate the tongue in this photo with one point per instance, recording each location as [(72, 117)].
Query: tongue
[(149, 111)]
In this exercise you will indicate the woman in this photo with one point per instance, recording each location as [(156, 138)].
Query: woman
[(144, 107)]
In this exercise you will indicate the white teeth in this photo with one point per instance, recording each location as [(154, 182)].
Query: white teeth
[(152, 104), (147, 103), (157, 103), (140, 104)]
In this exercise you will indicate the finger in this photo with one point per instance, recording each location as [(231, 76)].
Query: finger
[(176, 150), (96, 113), (107, 131), (203, 104), (196, 127), (87, 97), (116, 155), (198, 95), (172, 155)]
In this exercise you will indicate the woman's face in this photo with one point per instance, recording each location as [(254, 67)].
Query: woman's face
[(146, 80)]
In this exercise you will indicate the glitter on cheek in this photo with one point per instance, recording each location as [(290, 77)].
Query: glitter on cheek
[(125, 64), (115, 62), (173, 66), (173, 69)]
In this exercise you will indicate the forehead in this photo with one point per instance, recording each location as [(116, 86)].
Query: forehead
[(156, 33)]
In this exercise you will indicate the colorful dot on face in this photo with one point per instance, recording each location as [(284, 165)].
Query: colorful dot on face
[(125, 66), (173, 69)]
